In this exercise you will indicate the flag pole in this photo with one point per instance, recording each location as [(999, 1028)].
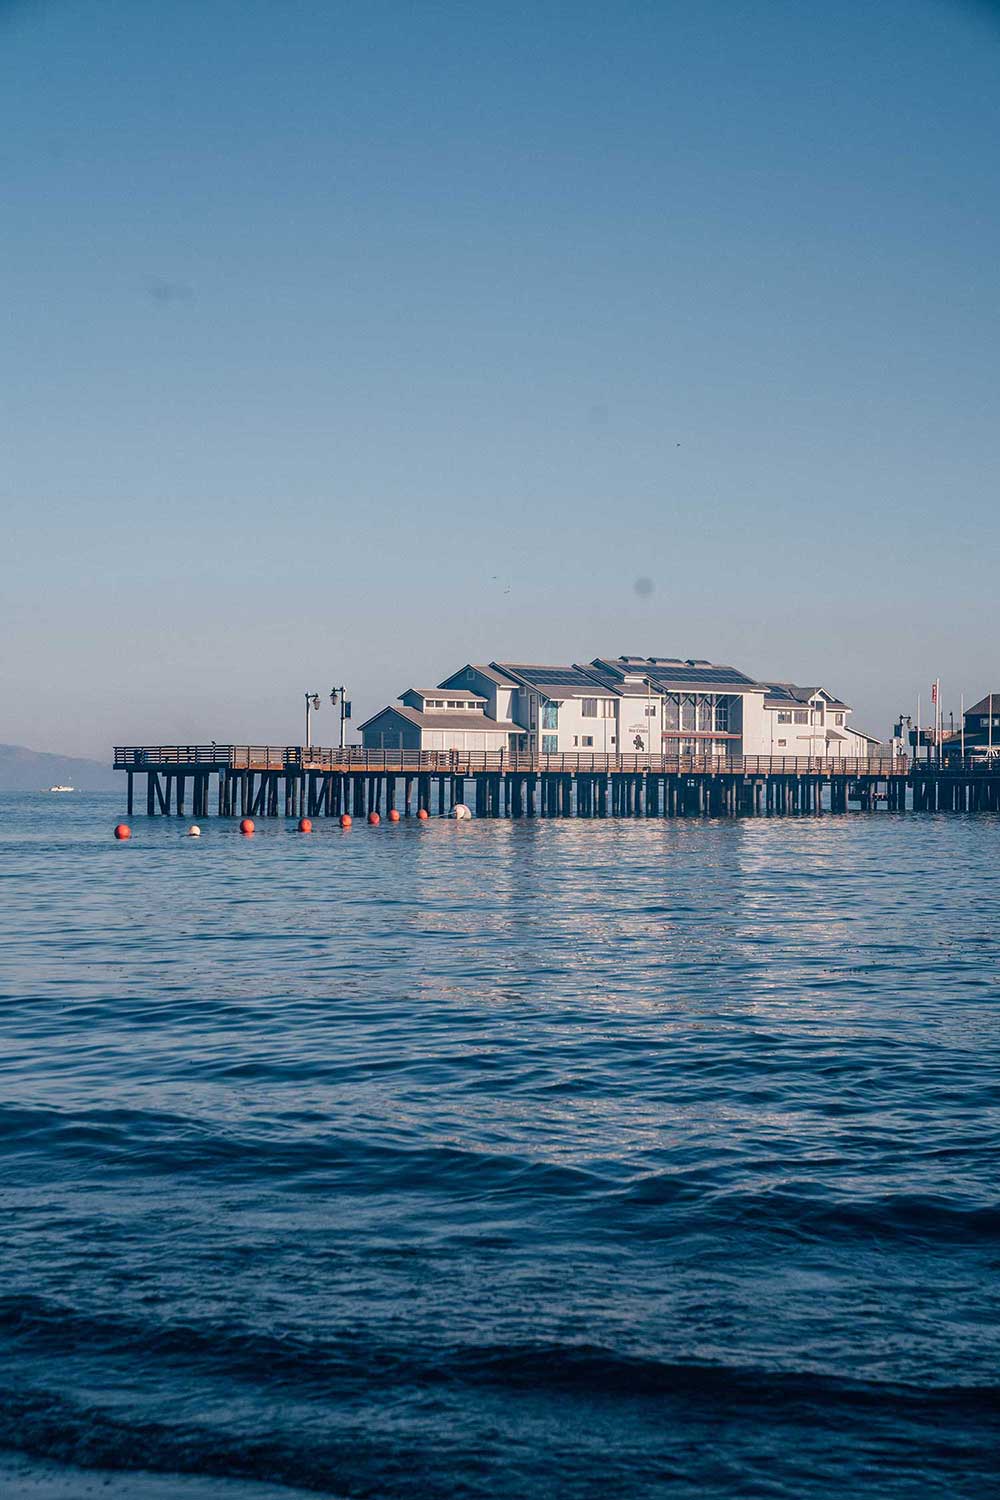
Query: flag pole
[(961, 709)]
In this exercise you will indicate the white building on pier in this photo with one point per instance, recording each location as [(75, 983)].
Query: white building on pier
[(618, 705)]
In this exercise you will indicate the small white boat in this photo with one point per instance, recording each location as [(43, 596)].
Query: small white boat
[(62, 788)]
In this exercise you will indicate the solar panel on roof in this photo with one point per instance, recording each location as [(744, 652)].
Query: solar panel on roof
[(697, 675), (556, 676)]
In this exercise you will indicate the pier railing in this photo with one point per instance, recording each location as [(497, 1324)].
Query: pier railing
[(955, 765), (294, 758)]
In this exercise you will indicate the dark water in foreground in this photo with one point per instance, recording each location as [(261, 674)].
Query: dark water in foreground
[(522, 1160)]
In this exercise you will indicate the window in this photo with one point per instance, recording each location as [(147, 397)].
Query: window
[(607, 708), (434, 702), (614, 739), (588, 708), (650, 710), (550, 716), (722, 716), (838, 719), (576, 740), (587, 741), (801, 716), (782, 744), (550, 744), (784, 717), (817, 716)]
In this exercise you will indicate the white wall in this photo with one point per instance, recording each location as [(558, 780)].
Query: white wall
[(809, 738), (573, 724), (463, 739), (498, 705)]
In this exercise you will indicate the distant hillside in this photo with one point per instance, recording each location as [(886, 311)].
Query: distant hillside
[(24, 770)]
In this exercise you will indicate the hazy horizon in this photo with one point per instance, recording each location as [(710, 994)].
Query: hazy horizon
[(346, 345)]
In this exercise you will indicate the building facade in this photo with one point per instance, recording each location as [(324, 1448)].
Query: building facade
[(979, 738), (438, 719), (810, 721), (618, 705)]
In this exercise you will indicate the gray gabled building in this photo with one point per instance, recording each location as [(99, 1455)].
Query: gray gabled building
[(438, 719)]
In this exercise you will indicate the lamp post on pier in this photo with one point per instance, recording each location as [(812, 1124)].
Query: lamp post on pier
[(312, 703), (339, 695)]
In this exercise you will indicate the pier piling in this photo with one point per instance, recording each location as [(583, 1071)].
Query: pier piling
[(265, 781)]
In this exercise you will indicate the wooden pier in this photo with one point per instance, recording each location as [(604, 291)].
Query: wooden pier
[(295, 781)]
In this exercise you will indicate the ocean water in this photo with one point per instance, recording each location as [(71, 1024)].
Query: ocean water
[(559, 1158)]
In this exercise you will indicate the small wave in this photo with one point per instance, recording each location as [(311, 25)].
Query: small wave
[(358, 1362), (146, 1142), (817, 1214), (46, 1426)]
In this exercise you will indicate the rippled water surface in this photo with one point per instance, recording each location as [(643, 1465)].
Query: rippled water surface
[(518, 1160)]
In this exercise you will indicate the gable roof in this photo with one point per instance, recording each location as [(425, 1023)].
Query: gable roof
[(435, 692), (551, 682), (785, 694), (984, 706), (489, 673), (462, 719), (673, 674)]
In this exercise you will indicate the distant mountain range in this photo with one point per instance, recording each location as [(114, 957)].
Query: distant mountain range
[(24, 770)]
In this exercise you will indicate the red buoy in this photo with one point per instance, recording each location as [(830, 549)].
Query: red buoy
[(374, 818), (247, 826), (346, 820), (393, 815), (305, 825), (123, 831)]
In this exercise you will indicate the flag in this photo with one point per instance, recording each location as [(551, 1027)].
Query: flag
[(934, 688)]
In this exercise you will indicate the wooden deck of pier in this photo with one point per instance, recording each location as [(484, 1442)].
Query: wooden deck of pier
[(317, 781)]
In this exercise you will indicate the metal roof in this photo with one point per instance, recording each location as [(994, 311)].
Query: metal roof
[(467, 719)]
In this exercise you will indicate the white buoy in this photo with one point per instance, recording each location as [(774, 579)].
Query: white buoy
[(460, 811), (194, 832)]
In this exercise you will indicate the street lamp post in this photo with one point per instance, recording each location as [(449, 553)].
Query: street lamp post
[(339, 695), (312, 702)]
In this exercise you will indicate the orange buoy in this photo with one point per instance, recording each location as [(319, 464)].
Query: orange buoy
[(374, 818), (393, 815), (423, 815), (123, 831), (346, 820), (247, 826), (305, 825)]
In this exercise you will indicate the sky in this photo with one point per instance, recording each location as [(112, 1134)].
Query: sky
[(348, 343)]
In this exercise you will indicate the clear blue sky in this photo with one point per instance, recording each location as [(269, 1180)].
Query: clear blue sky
[(348, 342)]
